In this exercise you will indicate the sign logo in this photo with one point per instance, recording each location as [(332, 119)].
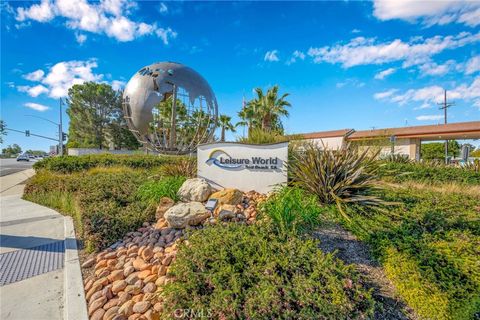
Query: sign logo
[(223, 160)]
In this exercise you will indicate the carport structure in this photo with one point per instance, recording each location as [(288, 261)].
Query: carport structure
[(404, 140)]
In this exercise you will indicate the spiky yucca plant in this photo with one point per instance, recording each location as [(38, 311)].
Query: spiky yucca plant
[(185, 167), (472, 166), (397, 158), (348, 175)]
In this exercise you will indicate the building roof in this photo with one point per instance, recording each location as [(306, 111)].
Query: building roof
[(326, 134), (459, 130)]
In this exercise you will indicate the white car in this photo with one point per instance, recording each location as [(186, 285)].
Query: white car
[(23, 157)]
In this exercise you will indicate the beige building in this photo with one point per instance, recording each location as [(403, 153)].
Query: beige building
[(404, 140)]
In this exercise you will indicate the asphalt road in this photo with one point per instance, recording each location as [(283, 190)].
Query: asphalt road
[(9, 166)]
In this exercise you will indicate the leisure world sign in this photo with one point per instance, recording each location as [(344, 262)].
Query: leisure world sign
[(243, 166)]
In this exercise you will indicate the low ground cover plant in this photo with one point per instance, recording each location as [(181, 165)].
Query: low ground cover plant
[(248, 272), (429, 246), (104, 202), (428, 172)]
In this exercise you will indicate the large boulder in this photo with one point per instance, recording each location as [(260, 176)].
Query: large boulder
[(196, 189), (184, 214), (228, 196)]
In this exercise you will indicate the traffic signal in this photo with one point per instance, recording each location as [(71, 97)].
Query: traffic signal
[(27, 133), (64, 136)]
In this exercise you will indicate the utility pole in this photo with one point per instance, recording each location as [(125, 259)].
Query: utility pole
[(60, 131), (445, 105)]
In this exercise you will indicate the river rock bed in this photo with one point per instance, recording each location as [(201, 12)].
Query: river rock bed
[(123, 282)]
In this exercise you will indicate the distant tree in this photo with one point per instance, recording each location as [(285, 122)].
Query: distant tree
[(35, 152), (475, 153), (96, 118), (436, 150), (12, 150), (224, 122), (3, 131)]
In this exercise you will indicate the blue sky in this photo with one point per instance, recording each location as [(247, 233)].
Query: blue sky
[(348, 64)]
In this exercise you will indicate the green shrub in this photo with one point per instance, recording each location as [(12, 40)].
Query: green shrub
[(259, 136), (152, 191), (246, 272), (428, 172), (292, 211), (430, 249), (336, 176), (102, 201), (68, 164)]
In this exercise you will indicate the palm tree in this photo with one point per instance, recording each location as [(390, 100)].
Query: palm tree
[(270, 107), (224, 122), (249, 116)]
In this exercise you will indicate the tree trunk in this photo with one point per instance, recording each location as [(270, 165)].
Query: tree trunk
[(222, 137)]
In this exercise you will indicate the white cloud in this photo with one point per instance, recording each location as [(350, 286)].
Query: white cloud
[(384, 94), (385, 73), (434, 69), (472, 65), (165, 34), (271, 56), (432, 117), (35, 75), (350, 82), (34, 91), (117, 84), (36, 106), (429, 12), (296, 55), (434, 94), (62, 76), (424, 106), (363, 51), (356, 31), (163, 8), (81, 38), (42, 12), (109, 17)]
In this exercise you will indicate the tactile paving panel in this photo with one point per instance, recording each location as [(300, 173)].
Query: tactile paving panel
[(26, 263)]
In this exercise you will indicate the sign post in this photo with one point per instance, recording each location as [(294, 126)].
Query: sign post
[(243, 166)]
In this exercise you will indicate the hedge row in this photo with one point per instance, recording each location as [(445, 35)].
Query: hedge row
[(68, 164), (425, 172)]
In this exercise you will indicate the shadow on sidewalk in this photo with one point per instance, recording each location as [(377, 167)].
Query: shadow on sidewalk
[(32, 243)]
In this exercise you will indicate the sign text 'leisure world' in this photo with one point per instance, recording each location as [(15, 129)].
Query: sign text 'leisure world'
[(223, 160), (243, 166)]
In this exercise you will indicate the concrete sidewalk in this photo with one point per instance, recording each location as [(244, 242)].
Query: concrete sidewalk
[(13, 183), (39, 270)]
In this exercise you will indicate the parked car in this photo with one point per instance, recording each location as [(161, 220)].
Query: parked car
[(23, 157)]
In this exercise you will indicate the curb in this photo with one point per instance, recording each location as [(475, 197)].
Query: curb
[(74, 295)]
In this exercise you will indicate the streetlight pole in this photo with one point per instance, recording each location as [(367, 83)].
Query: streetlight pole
[(60, 131)]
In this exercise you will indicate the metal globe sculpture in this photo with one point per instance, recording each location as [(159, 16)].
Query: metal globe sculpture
[(170, 108)]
